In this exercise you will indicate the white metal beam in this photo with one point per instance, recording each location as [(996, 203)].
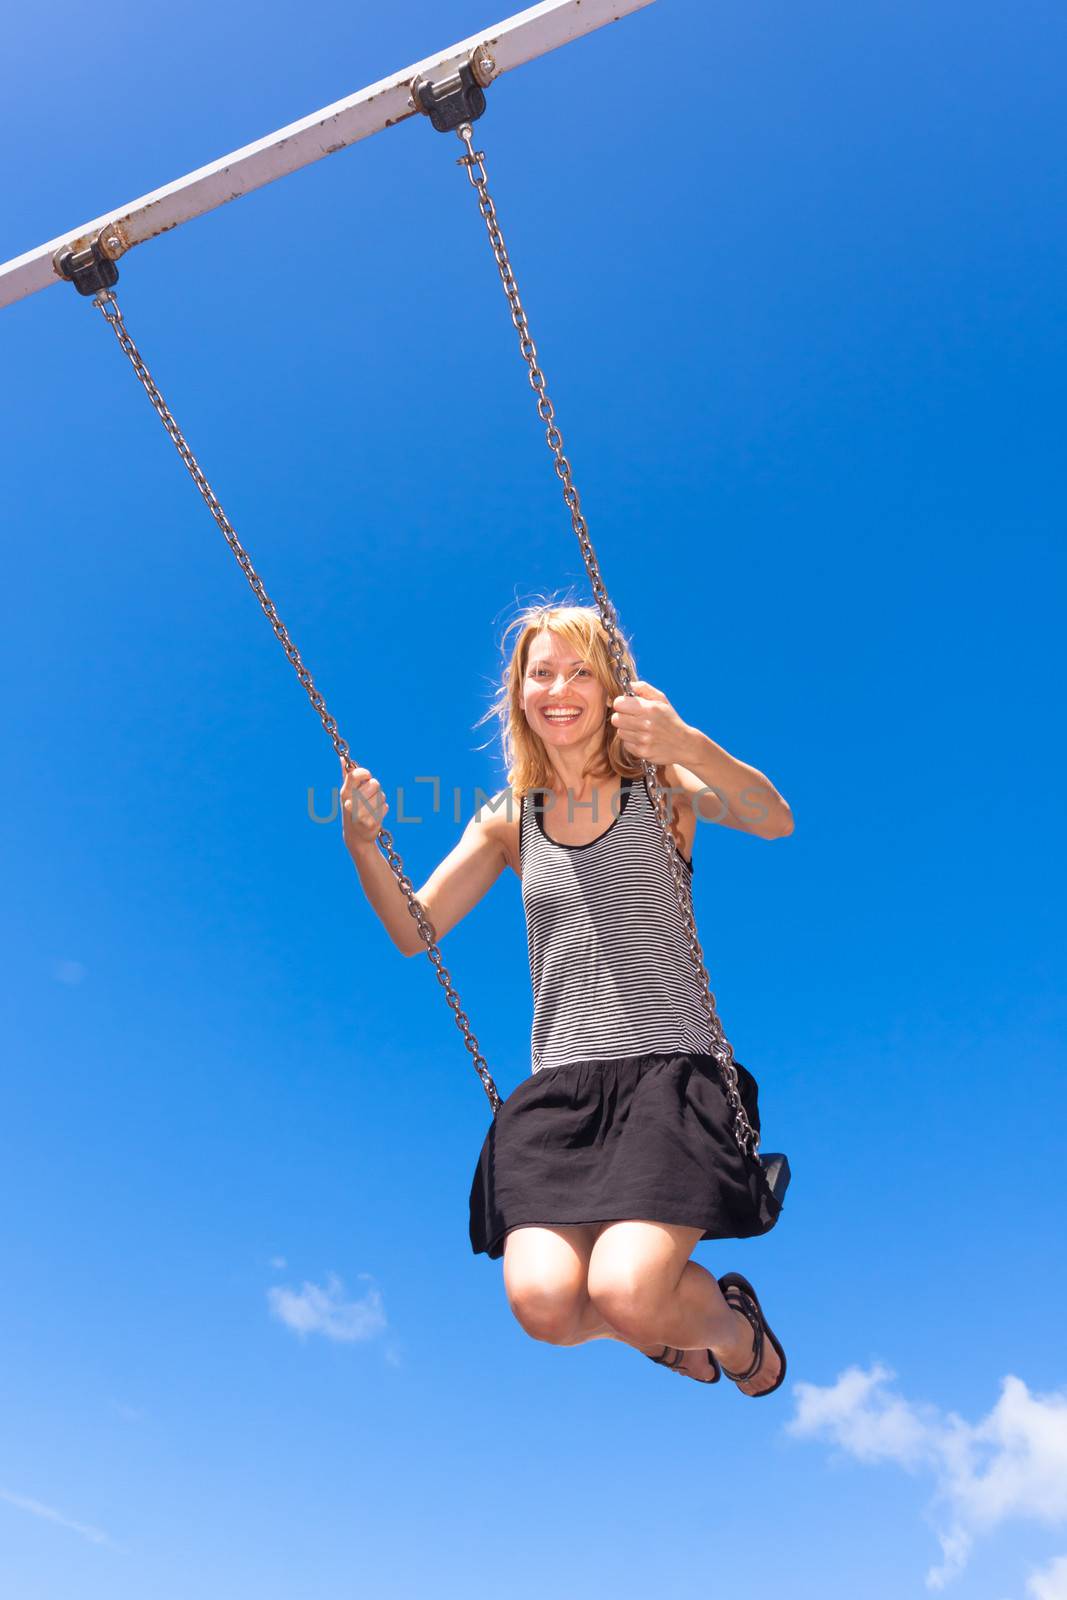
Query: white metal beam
[(511, 44)]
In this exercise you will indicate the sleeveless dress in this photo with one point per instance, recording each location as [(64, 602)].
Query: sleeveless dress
[(624, 1114)]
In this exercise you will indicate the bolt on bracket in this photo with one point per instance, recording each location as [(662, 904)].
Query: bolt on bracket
[(91, 267), (459, 98)]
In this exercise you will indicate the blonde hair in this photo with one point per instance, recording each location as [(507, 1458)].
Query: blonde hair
[(525, 756)]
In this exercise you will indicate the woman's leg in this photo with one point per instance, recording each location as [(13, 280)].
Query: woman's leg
[(545, 1271), (642, 1282)]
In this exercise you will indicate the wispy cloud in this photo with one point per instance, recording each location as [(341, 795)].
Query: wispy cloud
[(49, 1514), (1010, 1465), (326, 1311), (1051, 1584)]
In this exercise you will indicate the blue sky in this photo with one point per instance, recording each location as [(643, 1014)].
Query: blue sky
[(796, 278)]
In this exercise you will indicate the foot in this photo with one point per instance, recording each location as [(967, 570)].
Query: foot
[(740, 1353), (698, 1364)]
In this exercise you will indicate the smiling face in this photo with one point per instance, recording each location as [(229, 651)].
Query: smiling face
[(563, 700)]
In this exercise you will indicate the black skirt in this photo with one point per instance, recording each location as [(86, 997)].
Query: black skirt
[(646, 1137)]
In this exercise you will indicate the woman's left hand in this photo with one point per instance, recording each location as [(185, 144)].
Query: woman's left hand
[(648, 724)]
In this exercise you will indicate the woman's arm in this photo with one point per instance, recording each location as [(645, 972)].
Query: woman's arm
[(744, 797), (463, 878), (466, 874)]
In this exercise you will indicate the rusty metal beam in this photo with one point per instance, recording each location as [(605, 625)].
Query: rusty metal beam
[(508, 44)]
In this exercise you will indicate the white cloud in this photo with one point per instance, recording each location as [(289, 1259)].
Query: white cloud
[(325, 1311), (279, 1262), (71, 972), (36, 1509), (1052, 1583), (1010, 1465)]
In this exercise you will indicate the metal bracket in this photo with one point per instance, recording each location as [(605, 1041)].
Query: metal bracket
[(92, 267), (451, 101)]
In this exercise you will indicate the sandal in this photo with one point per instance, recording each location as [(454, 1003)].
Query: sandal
[(740, 1296), (676, 1364)]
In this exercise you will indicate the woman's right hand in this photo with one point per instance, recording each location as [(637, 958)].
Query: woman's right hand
[(363, 806)]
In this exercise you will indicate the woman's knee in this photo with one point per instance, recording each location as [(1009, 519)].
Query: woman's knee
[(548, 1311), (633, 1272), (625, 1296), (544, 1276)]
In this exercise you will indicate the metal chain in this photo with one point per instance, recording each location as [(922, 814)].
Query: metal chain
[(474, 161), (107, 304)]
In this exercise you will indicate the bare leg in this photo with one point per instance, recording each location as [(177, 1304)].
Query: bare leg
[(545, 1272), (591, 1325), (643, 1284), (628, 1281), (545, 1278)]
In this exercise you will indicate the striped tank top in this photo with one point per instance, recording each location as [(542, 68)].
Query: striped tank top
[(609, 958)]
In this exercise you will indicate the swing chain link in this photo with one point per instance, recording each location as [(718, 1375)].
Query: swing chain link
[(745, 1135), (109, 306)]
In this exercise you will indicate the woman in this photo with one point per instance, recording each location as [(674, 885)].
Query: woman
[(603, 1169)]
